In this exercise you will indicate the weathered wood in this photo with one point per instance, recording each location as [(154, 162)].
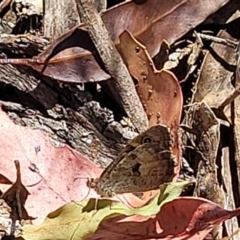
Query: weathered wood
[(236, 125), (122, 85), (62, 15), (231, 224), (204, 131), (214, 86), (85, 126), (59, 17)]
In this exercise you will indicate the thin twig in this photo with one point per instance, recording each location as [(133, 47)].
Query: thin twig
[(230, 99), (4, 4), (223, 41)]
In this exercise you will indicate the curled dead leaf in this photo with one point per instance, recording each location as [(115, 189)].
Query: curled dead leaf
[(16, 197)]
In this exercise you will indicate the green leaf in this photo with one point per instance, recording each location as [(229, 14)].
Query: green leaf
[(78, 220)]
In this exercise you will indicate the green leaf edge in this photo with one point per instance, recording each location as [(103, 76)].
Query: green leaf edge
[(98, 210)]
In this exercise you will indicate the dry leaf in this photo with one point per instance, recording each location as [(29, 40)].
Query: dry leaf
[(16, 197), (159, 91), (4, 180), (183, 218)]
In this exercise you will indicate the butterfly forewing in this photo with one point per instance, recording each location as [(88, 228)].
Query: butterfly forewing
[(145, 163)]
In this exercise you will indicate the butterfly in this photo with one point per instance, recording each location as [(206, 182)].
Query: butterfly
[(145, 163)]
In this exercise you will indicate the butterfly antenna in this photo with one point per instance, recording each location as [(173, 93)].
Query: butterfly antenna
[(88, 179)]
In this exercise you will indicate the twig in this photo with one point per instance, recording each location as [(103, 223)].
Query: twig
[(230, 99), (231, 235), (123, 86), (4, 4), (223, 41)]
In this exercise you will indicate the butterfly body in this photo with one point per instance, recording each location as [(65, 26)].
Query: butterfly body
[(144, 164)]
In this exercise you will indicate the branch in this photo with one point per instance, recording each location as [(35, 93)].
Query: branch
[(123, 86)]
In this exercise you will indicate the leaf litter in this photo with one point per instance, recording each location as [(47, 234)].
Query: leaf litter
[(78, 58), (56, 171)]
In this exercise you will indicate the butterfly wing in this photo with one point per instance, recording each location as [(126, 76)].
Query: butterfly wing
[(145, 163)]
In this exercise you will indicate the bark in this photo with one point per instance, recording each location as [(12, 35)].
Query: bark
[(67, 112), (62, 15), (59, 17), (122, 86)]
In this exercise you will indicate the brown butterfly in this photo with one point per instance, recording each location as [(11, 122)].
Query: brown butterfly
[(144, 164)]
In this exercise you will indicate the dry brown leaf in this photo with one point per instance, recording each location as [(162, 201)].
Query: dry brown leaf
[(4, 180), (159, 91), (183, 218), (16, 197)]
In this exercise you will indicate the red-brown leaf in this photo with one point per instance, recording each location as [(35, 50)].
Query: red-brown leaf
[(159, 91), (4, 180), (183, 218)]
